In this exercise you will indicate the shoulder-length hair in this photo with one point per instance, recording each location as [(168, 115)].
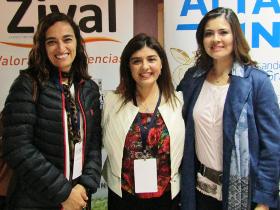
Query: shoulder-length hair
[(38, 60), (127, 86), (240, 46)]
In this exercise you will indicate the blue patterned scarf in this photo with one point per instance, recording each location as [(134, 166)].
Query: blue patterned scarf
[(238, 198)]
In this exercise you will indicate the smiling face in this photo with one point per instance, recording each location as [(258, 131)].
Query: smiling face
[(218, 39), (145, 65), (61, 45)]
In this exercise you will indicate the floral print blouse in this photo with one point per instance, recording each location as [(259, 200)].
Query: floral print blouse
[(158, 146)]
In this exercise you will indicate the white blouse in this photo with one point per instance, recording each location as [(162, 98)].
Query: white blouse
[(208, 120)]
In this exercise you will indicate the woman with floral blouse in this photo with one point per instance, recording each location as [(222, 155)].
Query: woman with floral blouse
[(143, 131)]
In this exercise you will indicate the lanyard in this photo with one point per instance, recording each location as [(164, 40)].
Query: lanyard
[(144, 130)]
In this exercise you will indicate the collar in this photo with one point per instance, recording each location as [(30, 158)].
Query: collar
[(237, 70), (54, 76)]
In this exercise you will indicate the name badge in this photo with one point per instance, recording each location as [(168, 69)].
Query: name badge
[(78, 160), (145, 175)]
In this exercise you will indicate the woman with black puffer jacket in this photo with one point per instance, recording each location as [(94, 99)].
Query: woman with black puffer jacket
[(53, 143)]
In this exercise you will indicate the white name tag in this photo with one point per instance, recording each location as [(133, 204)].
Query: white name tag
[(145, 175), (78, 160)]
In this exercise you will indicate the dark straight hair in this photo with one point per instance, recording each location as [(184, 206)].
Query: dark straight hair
[(127, 86)]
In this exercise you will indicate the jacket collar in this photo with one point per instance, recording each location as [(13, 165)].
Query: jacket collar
[(54, 76), (238, 70)]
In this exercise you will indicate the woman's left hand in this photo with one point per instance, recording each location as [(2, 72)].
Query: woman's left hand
[(262, 207)]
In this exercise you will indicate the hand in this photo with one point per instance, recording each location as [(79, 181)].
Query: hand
[(75, 201), (262, 207), (82, 190)]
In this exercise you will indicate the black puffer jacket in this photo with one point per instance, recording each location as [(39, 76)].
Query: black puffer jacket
[(34, 142)]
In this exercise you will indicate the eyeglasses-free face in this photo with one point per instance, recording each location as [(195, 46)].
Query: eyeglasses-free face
[(218, 39), (61, 45), (145, 65)]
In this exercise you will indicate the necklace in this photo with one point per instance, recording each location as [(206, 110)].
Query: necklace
[(147, 105), (217, 79), (66, 74)]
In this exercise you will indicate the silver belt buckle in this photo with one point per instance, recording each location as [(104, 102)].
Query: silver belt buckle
[(207, 187)]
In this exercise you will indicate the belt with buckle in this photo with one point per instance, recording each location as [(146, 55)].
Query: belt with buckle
[(211, 174)]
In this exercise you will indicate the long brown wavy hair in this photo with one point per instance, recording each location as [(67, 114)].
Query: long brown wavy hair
[(127, 86), (38, 60), (240, 46)]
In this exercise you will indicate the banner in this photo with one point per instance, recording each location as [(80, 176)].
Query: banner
[(106, 26), (260, 22)]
